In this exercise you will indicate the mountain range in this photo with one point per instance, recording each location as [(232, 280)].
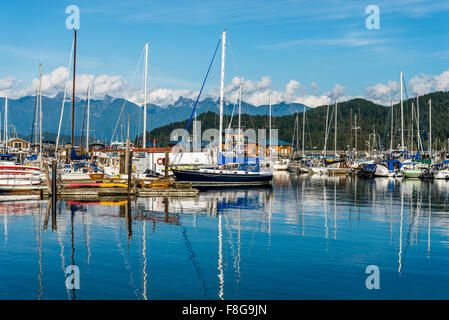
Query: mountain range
[(105, 115)]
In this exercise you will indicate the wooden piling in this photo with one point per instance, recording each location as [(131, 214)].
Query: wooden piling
[(53, 188), (130, 171), (47, 177), (166, 164)]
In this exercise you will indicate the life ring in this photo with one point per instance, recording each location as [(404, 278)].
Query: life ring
[(160, 161), (91, 169)]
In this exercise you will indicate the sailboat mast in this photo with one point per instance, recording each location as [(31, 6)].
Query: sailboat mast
[(223, 55), (355, 135), (73, 92), (417, 124), (391, 137), (88, 114), (6, 124), (402, 116), (430, 128), (40, 111), (303, 130), (36, 120), (269, 126), (325, 133), (297, 132), (145, 98), (240, 116), (335, 138), (413, 111)]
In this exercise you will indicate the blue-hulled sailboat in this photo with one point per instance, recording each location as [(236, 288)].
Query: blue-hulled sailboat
[(245, 174)]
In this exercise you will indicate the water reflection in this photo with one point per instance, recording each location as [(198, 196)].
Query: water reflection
[(301, 238)]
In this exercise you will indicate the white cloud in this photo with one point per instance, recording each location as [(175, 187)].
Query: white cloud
[(417, 85), (259, 92), (383, 93), (253, 92), (423, 83)]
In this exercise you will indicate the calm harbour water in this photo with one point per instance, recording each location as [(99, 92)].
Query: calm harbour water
[(307, 237)]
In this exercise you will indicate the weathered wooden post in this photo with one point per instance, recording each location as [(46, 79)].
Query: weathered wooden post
[(166, 164), (127, 160), (47, 177), (166, 209), (130, 171), (54, 188)]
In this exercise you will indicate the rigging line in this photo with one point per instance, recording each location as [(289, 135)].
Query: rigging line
[(140, 112), (330, 123), (293, 136), (32, 122), (309, 133), (199, 95), (233, 59), (84, 117), (249, 113), (65, 94), (127, 96), (230, 122), (385, 130)]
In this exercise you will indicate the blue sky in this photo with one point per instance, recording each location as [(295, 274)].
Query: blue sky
[(317, 44)]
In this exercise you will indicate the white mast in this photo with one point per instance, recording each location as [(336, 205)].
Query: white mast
[(303, 131), (269, 127), (402, 118), (325, 133), (413, 111), (430, 128), (223, 54), (40, 111), (240, 114), (194, 135), (88, 114), (145, 98), (335, 138), (6, 124), (417, 124), (36, 119), (391, 138)]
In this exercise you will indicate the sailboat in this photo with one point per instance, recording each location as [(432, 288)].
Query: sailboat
[(392, 167), (12, 175), (335, 167), (244, 174)]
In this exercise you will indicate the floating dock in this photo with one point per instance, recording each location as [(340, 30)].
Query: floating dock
[(92, 189), (113, 189)]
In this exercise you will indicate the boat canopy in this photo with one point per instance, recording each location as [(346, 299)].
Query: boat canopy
[(75, 156), (423, 161)]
